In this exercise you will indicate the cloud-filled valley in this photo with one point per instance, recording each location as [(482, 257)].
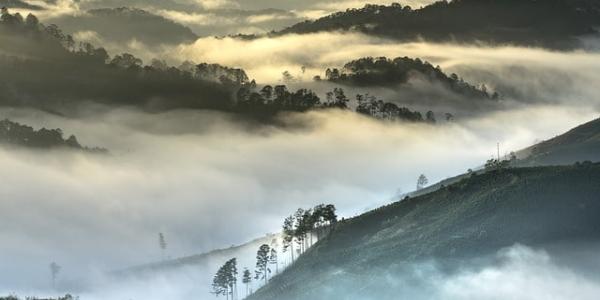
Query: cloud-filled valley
[(185, 158), (207, 181)]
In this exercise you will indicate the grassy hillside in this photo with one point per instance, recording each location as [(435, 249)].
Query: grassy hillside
[(471, 218), (579, 144), (549, 23)]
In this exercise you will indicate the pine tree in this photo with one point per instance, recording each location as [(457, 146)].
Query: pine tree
[(273, 259), (162, 243), (247, 279), (288, 235), (262, 262), (54, 270), (225, 280)]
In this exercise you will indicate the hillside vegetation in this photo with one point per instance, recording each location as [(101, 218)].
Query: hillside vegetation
[(548, 23), (13, 133), (473, 217), (579, 144)]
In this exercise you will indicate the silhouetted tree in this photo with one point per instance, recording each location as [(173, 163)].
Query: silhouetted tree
[(273, 259), (430, 117), (288, 235), (54, 271), (262, 263), (162, 243), (246, 280), (422, 182), (224, 281)]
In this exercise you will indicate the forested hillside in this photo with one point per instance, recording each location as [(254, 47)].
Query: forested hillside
[(46, 68), (385, 72), (550, 23), (16, 134), (468, 219), (124, 24)]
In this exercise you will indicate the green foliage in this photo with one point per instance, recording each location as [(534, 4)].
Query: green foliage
[(473, 217)]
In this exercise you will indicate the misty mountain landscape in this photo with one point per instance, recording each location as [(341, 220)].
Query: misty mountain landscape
[(307, 150)]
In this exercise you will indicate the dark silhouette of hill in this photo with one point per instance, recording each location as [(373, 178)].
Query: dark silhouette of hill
[(18, 4), (550, 23), (385, 72), (124, 24), (44, 68), (471, 218), (16, 134)]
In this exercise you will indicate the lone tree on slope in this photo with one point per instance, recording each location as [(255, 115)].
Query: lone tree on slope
[(422, 181), (162, 243)]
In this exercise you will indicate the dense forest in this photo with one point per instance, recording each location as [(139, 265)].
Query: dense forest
[(549, 23), (382, 71), (14, 133), (46, 68)]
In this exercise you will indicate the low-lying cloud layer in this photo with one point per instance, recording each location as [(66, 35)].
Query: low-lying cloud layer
[(532, 73), (207, 181)]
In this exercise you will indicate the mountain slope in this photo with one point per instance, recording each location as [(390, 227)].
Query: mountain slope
[(198, 269), (472, 218), (43, 68), (124, 24), (579, 144), (550, 23)]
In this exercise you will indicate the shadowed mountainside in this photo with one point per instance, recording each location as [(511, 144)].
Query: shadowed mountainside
[(550, 23), (124, 24), (578, 144), (471, 218)]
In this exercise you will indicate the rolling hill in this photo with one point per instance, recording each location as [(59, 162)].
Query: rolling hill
[(579, 144), (553, 23), (469, 219), (124, 24), (199, 268)]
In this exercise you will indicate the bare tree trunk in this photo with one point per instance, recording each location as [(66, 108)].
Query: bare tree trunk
[(292, 245)]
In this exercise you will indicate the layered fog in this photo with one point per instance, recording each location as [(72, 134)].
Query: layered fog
[(208, 180)]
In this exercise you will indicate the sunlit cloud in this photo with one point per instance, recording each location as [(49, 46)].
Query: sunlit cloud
[(200, 177)]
